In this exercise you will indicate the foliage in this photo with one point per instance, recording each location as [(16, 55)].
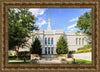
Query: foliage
[(89, 46), (21, 24), (84, 51), (71, 52), (85, 23), (63, 59), (80, 61), (24, 54), (62, 47), (12, 54), (36, 47)]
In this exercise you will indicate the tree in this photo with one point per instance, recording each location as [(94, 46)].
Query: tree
[(21, 23), (62, 47), (36, 47), (85, 23)]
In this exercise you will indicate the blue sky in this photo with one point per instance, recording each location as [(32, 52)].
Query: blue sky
[(60, 18)]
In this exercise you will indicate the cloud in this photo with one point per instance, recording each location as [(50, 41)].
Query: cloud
[(71, 26), (74, 19), (71, 30), (42, 22), (37, 11)]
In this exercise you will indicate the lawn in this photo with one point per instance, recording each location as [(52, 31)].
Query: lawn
[(80, 61), (77, 61)]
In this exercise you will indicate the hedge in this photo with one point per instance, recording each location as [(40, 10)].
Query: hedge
[(84, 51), (89, 46), (24, 54)]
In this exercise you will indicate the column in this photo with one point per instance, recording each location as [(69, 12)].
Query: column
[(47, 40), (77, 41)]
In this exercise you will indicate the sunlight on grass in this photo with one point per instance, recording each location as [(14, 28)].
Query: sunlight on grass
[(80, 61)]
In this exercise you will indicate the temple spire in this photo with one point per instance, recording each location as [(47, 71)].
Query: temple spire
[(49, 27)]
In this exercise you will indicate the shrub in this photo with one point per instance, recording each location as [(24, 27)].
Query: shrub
[(89, 46), (10, 54), (23, 54), (84, 51), (61, 55), (71, 52), (63, 59)]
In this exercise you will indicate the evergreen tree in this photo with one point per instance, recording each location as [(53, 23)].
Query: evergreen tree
[(36, 47), (62, 47)]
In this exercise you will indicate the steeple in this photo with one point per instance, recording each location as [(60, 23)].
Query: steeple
[(49, 27)]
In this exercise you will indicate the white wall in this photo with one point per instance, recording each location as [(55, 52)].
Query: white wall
[(55, 34), (84, 56)]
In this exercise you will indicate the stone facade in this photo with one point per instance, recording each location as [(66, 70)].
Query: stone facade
[(74, 40), (49, 38)]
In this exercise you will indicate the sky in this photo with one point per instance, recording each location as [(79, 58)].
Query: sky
[(60, 18)]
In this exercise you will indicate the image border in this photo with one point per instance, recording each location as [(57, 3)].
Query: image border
[(4, 66)]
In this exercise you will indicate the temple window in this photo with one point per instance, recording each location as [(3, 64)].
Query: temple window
[(45, 50), (51, 50), (79, 41), (45, 41), (48, 50), (83, 41), (48, 40), (76, 40), (52, 41)]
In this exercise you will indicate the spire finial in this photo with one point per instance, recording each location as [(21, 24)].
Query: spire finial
[(49, 16), (49, 27)]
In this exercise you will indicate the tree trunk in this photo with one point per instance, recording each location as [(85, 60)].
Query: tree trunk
[(17, 51)]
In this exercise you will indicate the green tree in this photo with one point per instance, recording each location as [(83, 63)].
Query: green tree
[(62, 47), (21, 23), (36, 47), (84, 23)]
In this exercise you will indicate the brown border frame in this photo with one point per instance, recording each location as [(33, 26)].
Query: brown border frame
[(4, 5)]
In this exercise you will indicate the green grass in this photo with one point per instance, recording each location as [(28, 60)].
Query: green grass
[(80, 61)]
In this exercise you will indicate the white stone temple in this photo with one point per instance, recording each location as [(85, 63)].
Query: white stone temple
[(49, 38)]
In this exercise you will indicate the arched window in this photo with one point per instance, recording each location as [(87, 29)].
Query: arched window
[(48, 40), (52, 41), (83, 41), (45, 41), (76, 40), (79, 41)]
